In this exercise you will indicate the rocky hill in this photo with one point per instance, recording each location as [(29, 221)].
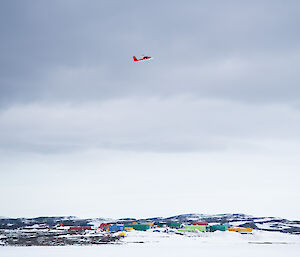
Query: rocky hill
[(240, 220)]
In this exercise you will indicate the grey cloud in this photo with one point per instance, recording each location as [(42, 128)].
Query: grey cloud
[(79, 51), (155, 125)]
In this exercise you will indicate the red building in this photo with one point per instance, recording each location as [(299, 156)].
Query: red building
[(80, 228), (104, 226)]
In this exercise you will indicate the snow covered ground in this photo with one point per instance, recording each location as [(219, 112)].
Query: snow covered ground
[(154, 244)]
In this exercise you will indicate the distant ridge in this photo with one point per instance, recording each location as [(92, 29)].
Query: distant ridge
[(236, 219)]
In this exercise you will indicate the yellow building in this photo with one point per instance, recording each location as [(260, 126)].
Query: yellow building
[(241, 230), (128, 228)]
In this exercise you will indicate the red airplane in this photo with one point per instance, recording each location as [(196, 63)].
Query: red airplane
[(142, 59)]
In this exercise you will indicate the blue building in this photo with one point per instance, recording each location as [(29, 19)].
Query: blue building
[(116, 227)]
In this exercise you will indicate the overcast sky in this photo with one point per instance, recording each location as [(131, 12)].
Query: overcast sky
[(210, 125)]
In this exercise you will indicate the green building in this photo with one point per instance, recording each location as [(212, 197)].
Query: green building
[(140, 227), (193, 228), (214, 228)]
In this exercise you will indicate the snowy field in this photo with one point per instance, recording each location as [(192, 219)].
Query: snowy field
[(154, 244)]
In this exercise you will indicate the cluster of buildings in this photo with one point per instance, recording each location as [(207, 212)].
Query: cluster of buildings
[(199, 226), (181, 227)]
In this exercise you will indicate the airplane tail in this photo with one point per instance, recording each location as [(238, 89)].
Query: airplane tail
[(134, 58)]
